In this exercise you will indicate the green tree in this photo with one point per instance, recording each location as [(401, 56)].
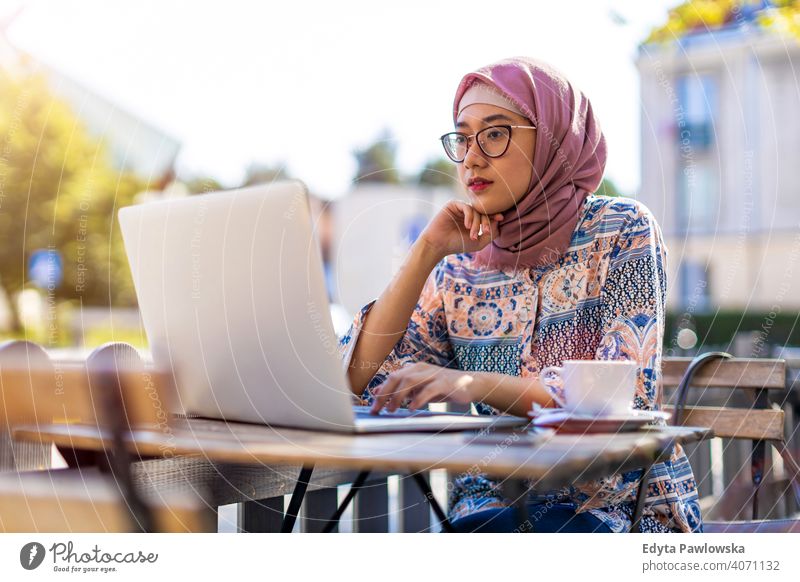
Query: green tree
[(785, 17), (258, 173), (202, 185), (58, 190), (437, 172), (376, 162), (608, 188), (703, 15)]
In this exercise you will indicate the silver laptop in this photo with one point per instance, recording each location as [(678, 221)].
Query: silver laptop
[(232, 294)]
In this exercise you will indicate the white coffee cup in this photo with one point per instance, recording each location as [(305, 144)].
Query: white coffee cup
[(596, 387)]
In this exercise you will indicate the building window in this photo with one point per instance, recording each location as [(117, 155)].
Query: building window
[(698, 197), (695, 286), (698, 97)]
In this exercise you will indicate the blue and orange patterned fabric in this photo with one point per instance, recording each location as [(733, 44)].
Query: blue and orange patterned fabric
[(604, 299)]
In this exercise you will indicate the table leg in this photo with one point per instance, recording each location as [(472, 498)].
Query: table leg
[(425, 487), (262, 516), (297, 499), (354, 488), (76, 458)]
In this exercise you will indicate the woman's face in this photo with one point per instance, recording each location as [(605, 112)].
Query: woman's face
[(510, 174)]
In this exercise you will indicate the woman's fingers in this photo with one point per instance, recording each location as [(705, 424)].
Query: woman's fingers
[(485, 226), (398, 386), (404, 385), (480, 224), (384, 392), (476, 224), (394, 401), (420, 383), (466, 210), (412, 385), (471, 221)]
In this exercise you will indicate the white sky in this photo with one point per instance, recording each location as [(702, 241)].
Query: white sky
[(307, 82)]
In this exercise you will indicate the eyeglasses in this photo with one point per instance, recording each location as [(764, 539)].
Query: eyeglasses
[(492, 140)]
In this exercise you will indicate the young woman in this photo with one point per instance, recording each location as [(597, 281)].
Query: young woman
[(534, 270)]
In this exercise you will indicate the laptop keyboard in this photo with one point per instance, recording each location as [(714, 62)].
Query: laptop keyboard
[(363, 412)]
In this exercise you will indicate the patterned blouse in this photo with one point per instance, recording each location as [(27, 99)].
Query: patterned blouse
[(604, 299)]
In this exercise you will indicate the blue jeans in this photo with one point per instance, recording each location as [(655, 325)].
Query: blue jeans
[(541, 519)]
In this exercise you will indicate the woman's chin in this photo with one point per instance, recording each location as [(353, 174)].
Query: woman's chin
[(487, 204)]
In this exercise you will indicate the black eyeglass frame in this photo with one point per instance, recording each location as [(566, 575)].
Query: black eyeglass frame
[(476, 134)]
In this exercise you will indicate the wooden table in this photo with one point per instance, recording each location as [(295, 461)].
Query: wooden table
[(551, 461)]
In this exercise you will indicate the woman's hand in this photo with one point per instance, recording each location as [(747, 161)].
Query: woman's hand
[(425, 383), (456, 228)]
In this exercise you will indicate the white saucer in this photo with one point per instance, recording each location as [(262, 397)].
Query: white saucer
[(565, 421)]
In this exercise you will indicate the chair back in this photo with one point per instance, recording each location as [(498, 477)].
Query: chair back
[(20, 455), (112, 386), (760, 422), (720, 370), (114, 390)]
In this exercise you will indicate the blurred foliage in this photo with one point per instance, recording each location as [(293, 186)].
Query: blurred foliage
[(97, 336), (717, 329), (438, 172), (784, 17), (202, 185), (703, 15), (694, 15), (376, 162), (257, 173), (59, 190), (608, 188), (264, 174)]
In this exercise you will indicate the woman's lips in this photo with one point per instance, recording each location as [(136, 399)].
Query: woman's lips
[(478, 186)]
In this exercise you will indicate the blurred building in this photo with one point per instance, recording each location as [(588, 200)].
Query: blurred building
[(720, 148), (134, 144), (373, 229)]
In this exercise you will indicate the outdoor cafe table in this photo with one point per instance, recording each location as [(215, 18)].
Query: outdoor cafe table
[(552, 461)]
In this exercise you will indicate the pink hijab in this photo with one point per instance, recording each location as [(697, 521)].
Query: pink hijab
[(568, 161)]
